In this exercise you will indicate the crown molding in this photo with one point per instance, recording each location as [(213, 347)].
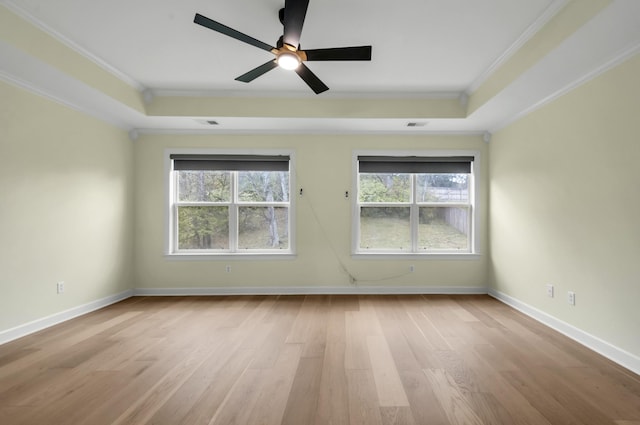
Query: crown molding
[(617, 59), (32, 88), (28, 86), (280, 131), (72, 45), (160, 92), (537, 25)]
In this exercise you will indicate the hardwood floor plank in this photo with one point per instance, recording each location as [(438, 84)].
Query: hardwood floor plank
[(165, 388), (345, 303), (120, 355), (440, 313), (200, 397), (364, 408), (494, 359), (422, 350), (552, 354), (515, 403), (333, 404), (74, 406), (403, 355), (423, 402), (368, 313), (82, 352), (303, 398), (455, 405), (205, 389), (480, 306), (568, 396), (396, 416), (600, 389), (59, 345), (275, 387), (469, 370), (490, 410), (336, 329), (539, 398), (356, 351), (240, 400), (282, 317), (305, 319), (12, 355), (429, 331), (385, 375), (25, 390), (14, 414), (456, 368), (463, 314), (317, 360)]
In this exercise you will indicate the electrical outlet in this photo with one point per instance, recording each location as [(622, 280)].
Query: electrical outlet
[(60, 287), (571, 297), (412, 268), (550, 290), (227, 269)]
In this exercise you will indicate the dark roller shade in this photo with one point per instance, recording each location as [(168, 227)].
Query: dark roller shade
[(231, 162), (415, 164)]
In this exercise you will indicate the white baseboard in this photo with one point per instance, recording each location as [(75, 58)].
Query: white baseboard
[(613, 353), (307, 290), (54, 319)]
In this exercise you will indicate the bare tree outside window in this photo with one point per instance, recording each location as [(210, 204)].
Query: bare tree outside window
[(232, 210)]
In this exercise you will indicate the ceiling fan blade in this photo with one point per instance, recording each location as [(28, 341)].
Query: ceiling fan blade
[(310, 78), (223, 29), (294, 14), (256, 72), (359, 53)]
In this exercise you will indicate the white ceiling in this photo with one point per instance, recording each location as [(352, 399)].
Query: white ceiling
[(420, 48), (418, 45)]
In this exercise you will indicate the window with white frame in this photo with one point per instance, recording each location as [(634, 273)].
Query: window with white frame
[(230, 204), (414, 204)]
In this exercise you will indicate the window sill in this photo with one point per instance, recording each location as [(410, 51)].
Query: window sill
[(463, 256), (230, 257)]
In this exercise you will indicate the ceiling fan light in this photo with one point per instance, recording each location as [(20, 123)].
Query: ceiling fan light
[(288, 60)]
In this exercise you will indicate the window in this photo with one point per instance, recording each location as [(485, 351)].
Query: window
[(414, 204), (229, 204)]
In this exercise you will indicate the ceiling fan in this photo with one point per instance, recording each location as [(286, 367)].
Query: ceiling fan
[(288, 53)]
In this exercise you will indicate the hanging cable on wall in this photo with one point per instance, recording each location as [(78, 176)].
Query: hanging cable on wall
[(343, 267), (352, 278)]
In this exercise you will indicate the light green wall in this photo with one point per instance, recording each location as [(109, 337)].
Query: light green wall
[(565, 207), (66, 208), (323, 229)]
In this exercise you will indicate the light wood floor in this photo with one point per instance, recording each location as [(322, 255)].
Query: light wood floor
[(310, 360)]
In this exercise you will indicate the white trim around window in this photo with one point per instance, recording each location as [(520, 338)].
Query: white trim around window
[(473, 206), (171, 250)]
